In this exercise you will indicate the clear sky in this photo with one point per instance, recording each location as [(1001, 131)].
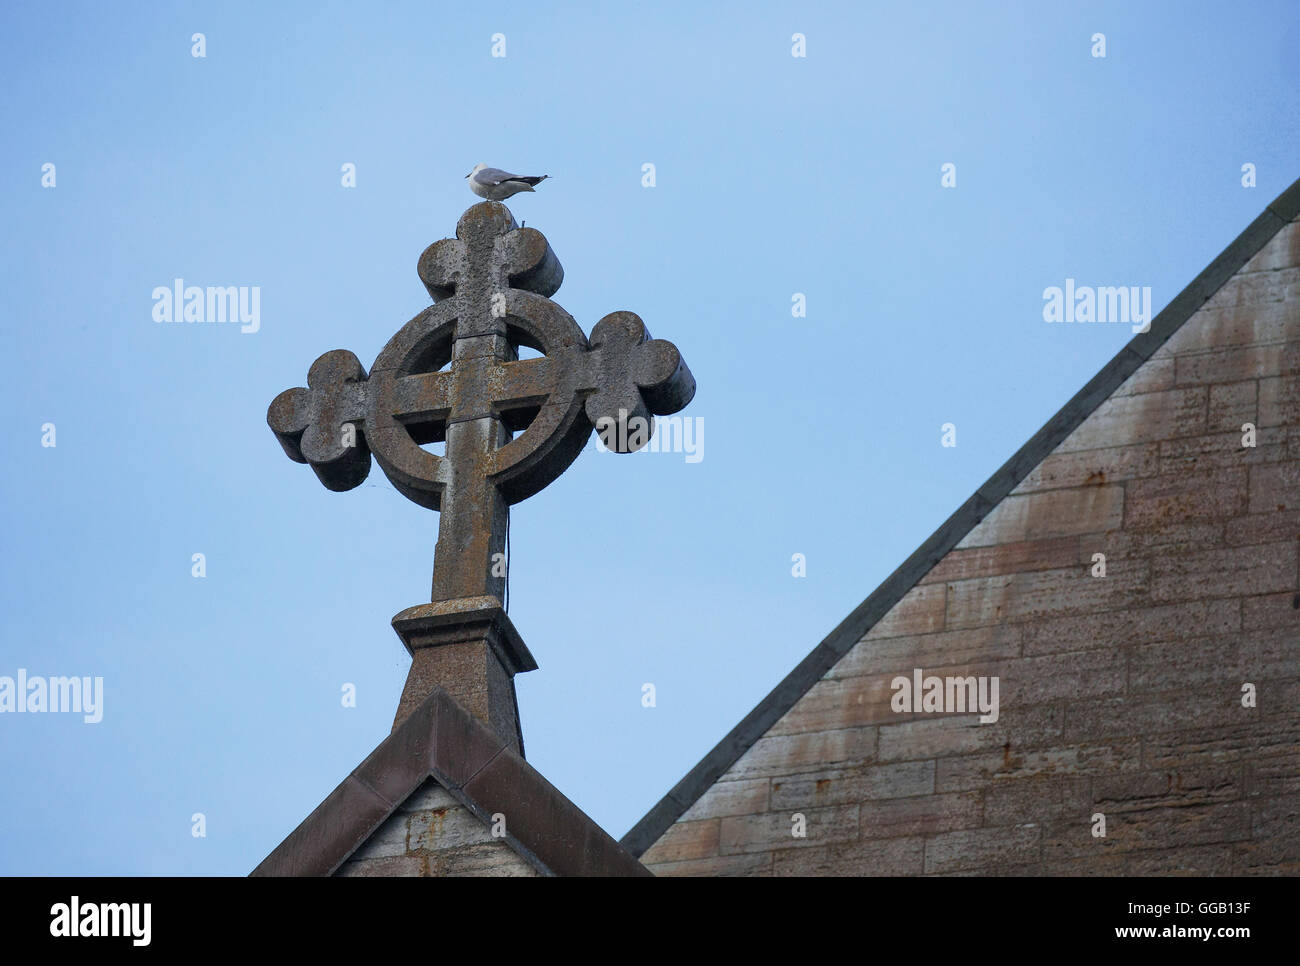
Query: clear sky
[(774, 175)]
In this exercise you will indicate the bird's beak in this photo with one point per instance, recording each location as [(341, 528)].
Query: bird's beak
[(468, 174)]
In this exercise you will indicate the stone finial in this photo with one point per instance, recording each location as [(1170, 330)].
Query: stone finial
[(511, 426)]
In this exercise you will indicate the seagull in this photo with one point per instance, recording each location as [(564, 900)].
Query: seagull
[(497, 185)]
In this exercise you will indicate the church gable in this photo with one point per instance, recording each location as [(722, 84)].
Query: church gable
[(433, 834), (445, 794), (1090, 669), (510, 426)]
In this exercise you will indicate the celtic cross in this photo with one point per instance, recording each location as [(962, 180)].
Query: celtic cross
[(511, 426)]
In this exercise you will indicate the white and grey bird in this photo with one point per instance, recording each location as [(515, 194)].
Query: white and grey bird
[(497, 185)]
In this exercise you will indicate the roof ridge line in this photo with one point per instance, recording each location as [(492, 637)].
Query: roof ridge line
[(1275, 216)]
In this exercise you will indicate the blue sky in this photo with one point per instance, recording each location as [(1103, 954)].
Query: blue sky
[(775, 175)]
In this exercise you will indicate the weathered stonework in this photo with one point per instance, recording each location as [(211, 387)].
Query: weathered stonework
[(510, 427), (445, 794), (432, 834), (1120, 695)]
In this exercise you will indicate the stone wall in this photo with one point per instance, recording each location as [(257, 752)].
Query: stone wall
[(432, 834), (1119, 695)]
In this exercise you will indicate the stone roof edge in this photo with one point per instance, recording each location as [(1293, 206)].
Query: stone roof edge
[(853, 628), (440, 739)]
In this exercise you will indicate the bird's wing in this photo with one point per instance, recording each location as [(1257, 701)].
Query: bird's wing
[(494, 176)]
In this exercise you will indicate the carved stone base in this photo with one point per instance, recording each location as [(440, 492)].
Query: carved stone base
[(468, 647)]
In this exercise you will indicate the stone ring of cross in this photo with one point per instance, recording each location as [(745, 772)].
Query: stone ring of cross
[(453, 374)]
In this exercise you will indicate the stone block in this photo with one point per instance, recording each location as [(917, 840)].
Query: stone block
[(776, 755), (879, 857), (981, 848), (1051, 513), (1179, 498), (774, 830), (820, 789)]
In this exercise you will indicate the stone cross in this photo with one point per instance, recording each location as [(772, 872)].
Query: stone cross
[(511, 425)]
